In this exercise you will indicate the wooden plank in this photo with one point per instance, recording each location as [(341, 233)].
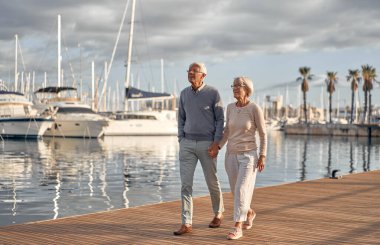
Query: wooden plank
[(326, 211)]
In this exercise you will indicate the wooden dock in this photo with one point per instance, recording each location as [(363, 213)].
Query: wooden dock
[(326, 211)]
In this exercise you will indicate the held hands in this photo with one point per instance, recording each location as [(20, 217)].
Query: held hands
[(261, 163), (213, 150)]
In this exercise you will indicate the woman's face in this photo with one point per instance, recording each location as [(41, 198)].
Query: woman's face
[(239, 90)]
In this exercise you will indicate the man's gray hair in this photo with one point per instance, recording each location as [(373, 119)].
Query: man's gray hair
[(200, 65)]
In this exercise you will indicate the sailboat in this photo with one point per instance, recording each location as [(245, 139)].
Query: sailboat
[(153, 117)]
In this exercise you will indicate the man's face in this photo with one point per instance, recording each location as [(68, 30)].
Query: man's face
[(195, 76)]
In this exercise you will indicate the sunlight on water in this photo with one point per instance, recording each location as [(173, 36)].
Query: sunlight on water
[(55, 177)]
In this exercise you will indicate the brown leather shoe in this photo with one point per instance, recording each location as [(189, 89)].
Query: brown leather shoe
[(184, 229), (215, 223)]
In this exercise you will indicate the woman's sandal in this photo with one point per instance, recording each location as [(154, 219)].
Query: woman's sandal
[(235, 234), (249, 222)]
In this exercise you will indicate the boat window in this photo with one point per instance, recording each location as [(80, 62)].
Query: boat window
[(143, 117), (75, 110), (134, 116)]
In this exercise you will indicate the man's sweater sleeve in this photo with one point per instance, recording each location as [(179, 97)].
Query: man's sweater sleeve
[(181, 120), (219, 119)]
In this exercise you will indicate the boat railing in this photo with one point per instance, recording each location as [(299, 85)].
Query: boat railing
[(59, 99)]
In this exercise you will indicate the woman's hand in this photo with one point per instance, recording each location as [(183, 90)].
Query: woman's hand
[(261, 163), (213, 150)]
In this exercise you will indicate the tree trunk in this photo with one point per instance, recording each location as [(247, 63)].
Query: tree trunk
[(330, 107), (304, 106), (352, 106), (369, 106)]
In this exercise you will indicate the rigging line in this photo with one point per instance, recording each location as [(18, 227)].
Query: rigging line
[(146, 42), (66, 53), (22, 56), (27, 79), (114, 51), (97, 86), (11, 54), (49, 44)]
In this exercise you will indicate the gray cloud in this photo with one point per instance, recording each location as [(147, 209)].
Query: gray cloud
[(178, 29)]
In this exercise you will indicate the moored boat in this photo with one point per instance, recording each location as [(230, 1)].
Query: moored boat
[(72, 118), (18, 119), (153, 118)]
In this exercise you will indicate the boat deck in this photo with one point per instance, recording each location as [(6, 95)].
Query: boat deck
[(325, 211)]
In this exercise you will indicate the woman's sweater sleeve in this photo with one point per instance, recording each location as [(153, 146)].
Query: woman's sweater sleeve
[(261, 128), (225, 130)]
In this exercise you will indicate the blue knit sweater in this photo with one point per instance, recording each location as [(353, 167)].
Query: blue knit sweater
[(200, 114)]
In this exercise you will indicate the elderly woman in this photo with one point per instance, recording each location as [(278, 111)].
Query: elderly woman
[(242, 161)]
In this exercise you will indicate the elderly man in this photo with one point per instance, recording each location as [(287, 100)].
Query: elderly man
[(200, 128)]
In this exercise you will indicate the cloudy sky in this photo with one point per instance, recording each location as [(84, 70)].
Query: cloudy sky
[(265, 40)]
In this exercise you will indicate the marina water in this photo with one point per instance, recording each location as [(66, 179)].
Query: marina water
[(60, 177)]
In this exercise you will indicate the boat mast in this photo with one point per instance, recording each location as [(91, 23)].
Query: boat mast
[(16, 75), (59, 51), (92, 85), (128, 65), (162, 76)]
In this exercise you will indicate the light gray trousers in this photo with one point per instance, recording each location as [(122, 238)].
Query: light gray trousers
[(241, 170), (189, 153)]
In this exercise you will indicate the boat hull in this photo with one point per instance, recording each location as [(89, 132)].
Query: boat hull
[(132, 127), (77, 128), (24, 127)]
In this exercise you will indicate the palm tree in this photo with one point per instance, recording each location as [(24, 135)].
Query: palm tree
[(373, 78), (305, 72), (331, 80), (368, 74), (353, 76)]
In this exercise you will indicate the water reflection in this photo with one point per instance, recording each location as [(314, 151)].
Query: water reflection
[(329, 156), (59, 177), (16, 163), (303, 163), (367, 166), (352, 168), (147, 161), (302, 158), (79, 172)]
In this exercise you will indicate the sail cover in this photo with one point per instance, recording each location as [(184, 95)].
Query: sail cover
[(55, 90), (138, 94)]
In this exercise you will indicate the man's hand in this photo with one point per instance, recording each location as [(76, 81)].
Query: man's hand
[(213, 150)]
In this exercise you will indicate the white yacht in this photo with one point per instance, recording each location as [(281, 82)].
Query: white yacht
[(143, 123), (151, 119), (72, 118), (18, 119)]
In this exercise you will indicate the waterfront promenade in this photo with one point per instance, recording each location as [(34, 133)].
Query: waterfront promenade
[(325, 211)]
